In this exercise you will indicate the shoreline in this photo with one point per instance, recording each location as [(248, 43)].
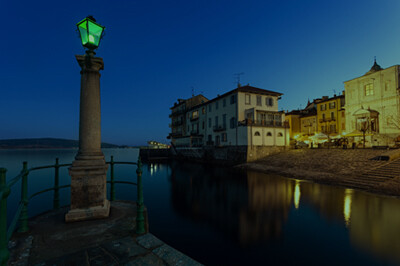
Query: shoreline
[(335, 167)]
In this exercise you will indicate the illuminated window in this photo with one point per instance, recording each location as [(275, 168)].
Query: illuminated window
[(369, 89), (203, 111), (224, 137), (323, 107), (332, 105)]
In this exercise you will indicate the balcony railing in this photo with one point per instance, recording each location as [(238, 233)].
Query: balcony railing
[(178, 112), (220, 128), (194, 132), (194, 118), (264, 123), (21, 216), (177, 123), (327, 119)]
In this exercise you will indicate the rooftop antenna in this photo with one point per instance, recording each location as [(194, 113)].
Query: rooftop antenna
[(237, 77), (334, 92), (192, 91), (374, 59)]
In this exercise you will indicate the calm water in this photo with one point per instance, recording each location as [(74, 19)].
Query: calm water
[(223, 217)]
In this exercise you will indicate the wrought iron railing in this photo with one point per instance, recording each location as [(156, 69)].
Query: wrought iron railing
[(21, 214)]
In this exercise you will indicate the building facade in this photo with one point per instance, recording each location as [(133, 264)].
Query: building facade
[(372, 106), (331, 116), (245, 116)]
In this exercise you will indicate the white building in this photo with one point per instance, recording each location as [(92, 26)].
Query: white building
[(372, 105), (245, 116)]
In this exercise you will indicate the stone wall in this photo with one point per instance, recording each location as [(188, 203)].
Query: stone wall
[(229, 155)]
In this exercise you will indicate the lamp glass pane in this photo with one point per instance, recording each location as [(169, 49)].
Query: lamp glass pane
[(83, 32), (95, 32)]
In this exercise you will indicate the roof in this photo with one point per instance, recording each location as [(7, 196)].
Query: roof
[(246, 88), (330, 99), (375, 67)]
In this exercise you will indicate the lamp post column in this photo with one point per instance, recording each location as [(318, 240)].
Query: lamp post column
[(89, 170)]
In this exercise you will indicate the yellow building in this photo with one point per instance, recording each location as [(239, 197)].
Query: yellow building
[(308, 123), (331, 116), (293, 120)]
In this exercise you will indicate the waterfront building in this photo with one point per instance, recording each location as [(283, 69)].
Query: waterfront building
[(178, 116), (245, 116), (372, 105), (331, 116)]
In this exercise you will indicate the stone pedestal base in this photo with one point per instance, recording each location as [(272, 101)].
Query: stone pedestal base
[(96, 212), (88, 190)]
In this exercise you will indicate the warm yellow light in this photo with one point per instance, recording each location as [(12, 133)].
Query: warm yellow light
[(347, 206), (297, 194)]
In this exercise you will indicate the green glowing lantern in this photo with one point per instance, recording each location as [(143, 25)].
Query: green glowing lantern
[(90, 32)]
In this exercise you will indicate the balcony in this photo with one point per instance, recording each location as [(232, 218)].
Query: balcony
[(177, 123), (176, 113), (194, 118), (219, 128), (194, 132), (327, 119), (176, 134), (264, 123)]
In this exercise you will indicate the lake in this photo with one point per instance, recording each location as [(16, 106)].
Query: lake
[(220, 216)]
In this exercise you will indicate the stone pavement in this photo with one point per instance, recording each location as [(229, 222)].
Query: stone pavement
[(110, 241)]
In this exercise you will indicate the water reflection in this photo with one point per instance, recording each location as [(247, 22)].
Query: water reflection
[(254, 208), (347, 206), (297, 194)]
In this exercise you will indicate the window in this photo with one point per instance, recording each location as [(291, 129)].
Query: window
[(209, 122), (323, 107), (216, 105), (224, 121), (332, 115), (195, 114), (232, 122), (342, 114), (387, 85), (323, 128), (332, 105), (232, 99), (280, 134), (343, 126), (333, 128), (369, 89), (203, 111), (257, 133), (224, 102), (209, 108), (216, 121), (269, 134), (202, 125), (323, 116), (269, 101), (247, 99), (224, 137), (259, 100)]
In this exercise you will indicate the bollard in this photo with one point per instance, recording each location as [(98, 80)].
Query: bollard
[(56, 198), (139, 204), (4, 253), (112, 188), (23, 219)]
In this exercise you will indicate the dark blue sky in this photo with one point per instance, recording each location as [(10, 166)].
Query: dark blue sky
[(157, 51)]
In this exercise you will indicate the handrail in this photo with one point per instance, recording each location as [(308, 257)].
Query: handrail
[(21, 215)]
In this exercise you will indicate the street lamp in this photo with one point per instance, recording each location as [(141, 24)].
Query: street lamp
[(90, 32), (89, 169)]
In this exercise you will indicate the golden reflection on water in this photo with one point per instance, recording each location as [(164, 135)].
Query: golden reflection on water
[(297, 194), (347, 206)]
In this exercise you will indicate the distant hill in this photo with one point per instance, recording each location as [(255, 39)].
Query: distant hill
[(44, 143)]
